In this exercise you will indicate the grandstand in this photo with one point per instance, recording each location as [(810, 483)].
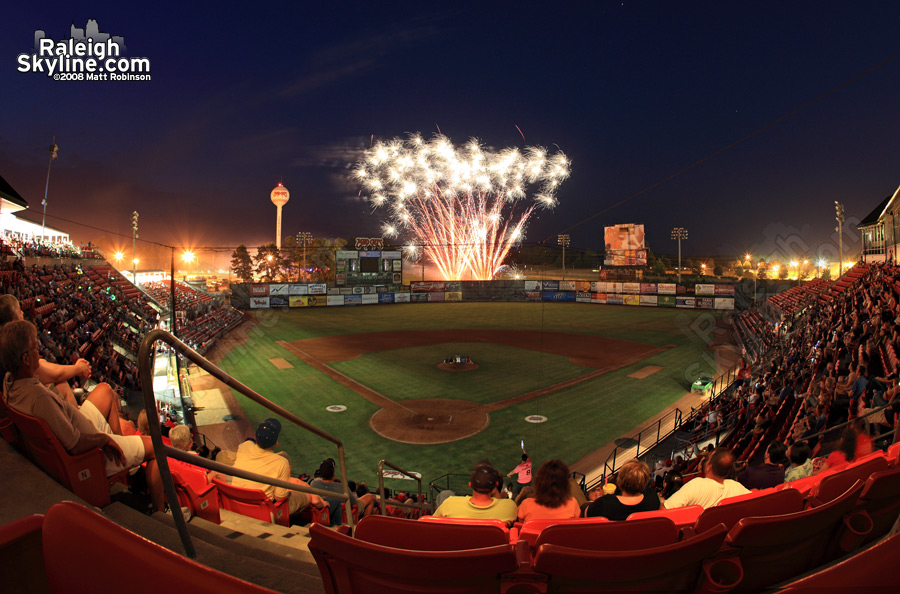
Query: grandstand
[(841, 514)]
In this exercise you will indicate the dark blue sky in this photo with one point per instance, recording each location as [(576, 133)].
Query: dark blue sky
[(632, 92)]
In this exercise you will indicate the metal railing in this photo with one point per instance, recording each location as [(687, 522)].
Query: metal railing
[(644, 441), (419, 504), (163, 452)]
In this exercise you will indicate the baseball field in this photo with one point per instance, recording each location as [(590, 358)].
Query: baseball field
[(589, 373)]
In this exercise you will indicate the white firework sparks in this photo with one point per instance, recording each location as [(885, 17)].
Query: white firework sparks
[(459, 204)]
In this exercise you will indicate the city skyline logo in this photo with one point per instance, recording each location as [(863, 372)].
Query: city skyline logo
[(88, 54)]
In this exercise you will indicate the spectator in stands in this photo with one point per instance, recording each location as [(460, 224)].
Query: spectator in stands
[(552, 499), (768, 474), (801, 464), (634, 494), (78, 430), (484, 481), (716, 485), (259, 457), (671, 484), (523, 473), (326, 481), (181, 438)]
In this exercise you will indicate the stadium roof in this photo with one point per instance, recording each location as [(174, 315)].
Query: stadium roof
[(875, 215), (8, 193)]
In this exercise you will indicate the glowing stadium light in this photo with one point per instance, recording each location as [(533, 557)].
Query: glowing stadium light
[(118, 256), (794, 263), (188, 256)]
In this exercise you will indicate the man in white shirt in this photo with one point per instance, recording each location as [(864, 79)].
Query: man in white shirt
[(715, 486)]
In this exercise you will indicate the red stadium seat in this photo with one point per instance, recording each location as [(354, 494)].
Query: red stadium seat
[(532, 529), (670, 568), (880, 500), (252, 503), (512, 534), (734, 509), (683, 517), (430, 535), (350, 565), (194, 491), (611, 536), (893, 454), (834, 484), (770, 549)]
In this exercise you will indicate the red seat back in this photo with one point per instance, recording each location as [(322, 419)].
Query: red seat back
[(774, 503), (682, 516), (85, 553), (194, 491), (880, 499), (252, 503), (532, 529), (350, 565), (611, 536), (402, 533), (670, 568), (833, 485)]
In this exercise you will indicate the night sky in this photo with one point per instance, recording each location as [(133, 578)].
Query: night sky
[(632, 92)]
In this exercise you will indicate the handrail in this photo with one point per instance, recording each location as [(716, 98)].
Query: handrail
[(163, 452), (384, 500)]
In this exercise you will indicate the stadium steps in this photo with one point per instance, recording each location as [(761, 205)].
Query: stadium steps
[(238, 556)]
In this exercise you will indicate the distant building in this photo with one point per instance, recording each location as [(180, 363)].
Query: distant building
[(880, 231), (14, 225)]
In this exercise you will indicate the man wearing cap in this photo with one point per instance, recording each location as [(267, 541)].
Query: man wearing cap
[(258, 457), (484, 482)]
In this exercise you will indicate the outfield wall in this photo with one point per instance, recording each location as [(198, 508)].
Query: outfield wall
[(693, 296)]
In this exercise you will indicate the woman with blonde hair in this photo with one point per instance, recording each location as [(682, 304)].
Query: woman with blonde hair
[(552, 500), (633, 494)]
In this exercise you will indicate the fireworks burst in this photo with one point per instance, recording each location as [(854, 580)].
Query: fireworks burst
[(463, 206)]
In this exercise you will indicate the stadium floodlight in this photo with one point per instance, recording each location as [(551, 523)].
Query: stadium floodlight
[(54, 150), (118, 256), (563, 240), (303, 238), (188, 256), (839, 217), (679, 233), (134, 236)]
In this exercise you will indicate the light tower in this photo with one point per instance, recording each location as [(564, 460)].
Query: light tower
[(839, 217), (279, 196), (679, 233)]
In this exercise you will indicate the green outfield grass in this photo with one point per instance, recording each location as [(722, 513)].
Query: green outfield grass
[(581, 418)]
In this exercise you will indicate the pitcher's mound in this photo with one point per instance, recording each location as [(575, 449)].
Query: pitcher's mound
[(457, 366), (430, 420)]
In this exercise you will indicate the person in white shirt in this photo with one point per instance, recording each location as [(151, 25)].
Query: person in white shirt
[(709, 490)]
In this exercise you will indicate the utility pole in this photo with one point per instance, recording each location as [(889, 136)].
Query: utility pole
[(53, 156), (563, 240), (134, 236), (679, 233), (839, 217)]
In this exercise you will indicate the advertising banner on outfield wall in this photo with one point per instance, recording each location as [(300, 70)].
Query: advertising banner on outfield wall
[(583, 286), (648, 300), (499, 290), (558, 296), (685, 302), (704, 289), (532, 295), (704, 302), (296, 301), (317, 288), (598, 298), (566, 285), (401, 297), (532, 285), (278, 290), (352, 300), (665, 288), (453, 296), (724, 289), (435, 296), (633, 288), (425, 286), (549, 285), (648, 288), (259, 290), (631, 299), (346, 255), (613, 299), (665, 301), (298, 290), (335, 300), (453, 286), (279, 300), (598, 287), (418, 297), (385, 297), (259, 302), (317, 301), (583, 296), (724, 303), (369, 298)]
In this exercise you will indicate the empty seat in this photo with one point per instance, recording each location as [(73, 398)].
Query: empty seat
[(351, 565), (880, 500), (670, 568), (194, 491), (734, 509), (252, 503)]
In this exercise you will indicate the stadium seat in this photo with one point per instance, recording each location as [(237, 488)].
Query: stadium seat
[(870, 570), (427, 535), (531, 529), (511, 533), (880, 500), (670, 568), (84, 474), (351, 565), (252, 503), (84, 552), (734, 509), (761, 551), (893, 454), (683, 517), (194, 491), (834, 484), (610, 536)]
